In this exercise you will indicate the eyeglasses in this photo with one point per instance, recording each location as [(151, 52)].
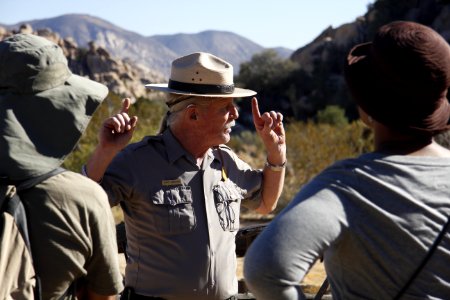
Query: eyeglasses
[(227, 215)]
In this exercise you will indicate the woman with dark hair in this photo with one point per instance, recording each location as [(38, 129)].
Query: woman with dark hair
[(379, 221)]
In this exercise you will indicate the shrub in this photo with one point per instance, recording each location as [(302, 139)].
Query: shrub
[(332, 115), (310, 149)]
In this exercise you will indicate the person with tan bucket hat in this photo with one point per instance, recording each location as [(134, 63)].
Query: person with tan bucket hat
[(379, 221), (44, 110), (182, 189)]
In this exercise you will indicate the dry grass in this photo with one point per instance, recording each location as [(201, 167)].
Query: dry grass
[(310, 284), (314, 279)]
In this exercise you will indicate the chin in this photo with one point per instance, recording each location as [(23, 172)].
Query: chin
[(226, 138)]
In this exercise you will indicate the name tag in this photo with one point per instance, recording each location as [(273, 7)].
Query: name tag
[(171, 182)]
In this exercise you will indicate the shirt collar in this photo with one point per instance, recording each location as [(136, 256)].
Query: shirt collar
[(175, 150), (173, 147)]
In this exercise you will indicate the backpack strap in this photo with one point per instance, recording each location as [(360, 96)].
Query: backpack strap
[(31, 182), (425, 260), (14, 207), (323, 289)]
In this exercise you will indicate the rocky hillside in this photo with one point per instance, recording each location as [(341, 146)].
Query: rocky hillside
[(122, 76), (319, 80), (84, 29), (154, 52), (433, 13)]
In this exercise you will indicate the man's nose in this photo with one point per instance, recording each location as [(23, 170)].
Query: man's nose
[(234, 111)]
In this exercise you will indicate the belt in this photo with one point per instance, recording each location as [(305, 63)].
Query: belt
[(141, 297), (129, 294)]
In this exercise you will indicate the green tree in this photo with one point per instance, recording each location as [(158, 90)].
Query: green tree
[(264, 71), (267, 74), (332, 115)]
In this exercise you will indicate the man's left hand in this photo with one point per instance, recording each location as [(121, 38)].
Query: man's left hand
[(270, 128)]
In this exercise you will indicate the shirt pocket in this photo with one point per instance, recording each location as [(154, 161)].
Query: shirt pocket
[(173, 211), (227, 198)]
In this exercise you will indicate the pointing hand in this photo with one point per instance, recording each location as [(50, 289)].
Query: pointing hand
[(118, 130)]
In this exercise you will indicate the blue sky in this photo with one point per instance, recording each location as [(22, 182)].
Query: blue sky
[(270, 23)]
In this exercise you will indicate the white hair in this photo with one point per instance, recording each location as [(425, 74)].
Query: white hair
[(178, 103)]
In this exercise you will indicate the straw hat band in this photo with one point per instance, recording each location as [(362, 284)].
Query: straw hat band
[(201, 88)]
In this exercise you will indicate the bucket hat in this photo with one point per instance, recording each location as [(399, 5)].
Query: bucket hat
[(201, 74), (44, 108), (401, 78)]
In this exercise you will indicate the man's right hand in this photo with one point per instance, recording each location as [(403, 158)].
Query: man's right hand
[(117, 131), (114, 135)]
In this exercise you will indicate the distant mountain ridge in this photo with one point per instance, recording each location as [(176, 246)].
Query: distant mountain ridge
[(227, 45), (153, 52), (316, 82)]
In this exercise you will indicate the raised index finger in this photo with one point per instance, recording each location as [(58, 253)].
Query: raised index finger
[(125, 105), (255, 109)]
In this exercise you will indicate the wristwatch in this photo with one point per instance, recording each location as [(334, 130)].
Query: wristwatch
[(275, 168)]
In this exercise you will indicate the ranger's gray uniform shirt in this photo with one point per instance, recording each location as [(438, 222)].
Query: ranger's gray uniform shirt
[(181, 220)]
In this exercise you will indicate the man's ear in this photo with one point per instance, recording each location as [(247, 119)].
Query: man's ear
[(191, 112)]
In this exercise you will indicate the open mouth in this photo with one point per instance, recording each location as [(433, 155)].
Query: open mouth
[(229, 125)]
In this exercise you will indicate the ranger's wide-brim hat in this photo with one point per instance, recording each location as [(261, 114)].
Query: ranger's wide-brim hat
[(44, 108), (201, 74)]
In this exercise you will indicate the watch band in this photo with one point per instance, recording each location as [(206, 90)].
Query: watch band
[(275, 168)]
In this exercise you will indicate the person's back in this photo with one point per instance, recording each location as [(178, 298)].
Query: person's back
[(374, 219), (388, 210), (72, 244), (44, 110)]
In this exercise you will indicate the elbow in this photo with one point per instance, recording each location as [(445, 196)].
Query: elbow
[(252, 274), (265, 209), (258, 277)]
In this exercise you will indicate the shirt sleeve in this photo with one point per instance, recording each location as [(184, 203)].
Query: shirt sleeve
[(282, 254), (249, 180), (103, 273), (118, 179)]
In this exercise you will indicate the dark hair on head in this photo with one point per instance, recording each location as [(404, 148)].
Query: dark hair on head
[(402, 77)]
